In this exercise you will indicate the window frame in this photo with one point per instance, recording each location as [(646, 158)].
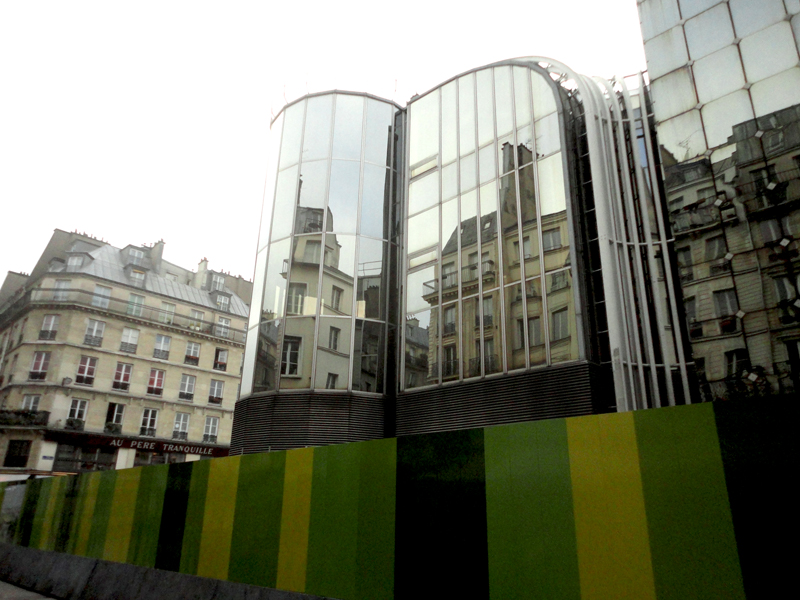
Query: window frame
[(155, 384), (39, 365), (31, 402), (286, 355), (87, 370), (78, 409), (122, 377), (562, 316), (220, 359), (136, 304)]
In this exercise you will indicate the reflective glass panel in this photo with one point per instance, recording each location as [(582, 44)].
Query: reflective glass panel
[(275, 282), (450, 246), (563, 338), (515, 328), (675, 93), (470, 251), (313, 184), (508, 205), (449, 123), (522, 96), (424, 128), (777, 92), (370, 295), (492, 338), (666, 52), (683, 136), (343, 196), (544, 101), (348, 125), (422, 290), (423, 258), (548, 135), (490, 257), (721, 115), (749, 17), (273, 151), (487, 167), (485, 107), (333, 354), (368, 357), (317, 137), (375, 202), (718, 74), (258, 286), (423, 230), (296, 353), (505, 154), (466, 114), (304, 278), (285, 201), (378, 145), (416, 340), (470, 336), (468, 172), (450, 343), (449, 181), (769, 52), (423, 193), (709, 32), (524, 145), (502, 97), (535, 325), (267, 356), (292, 132), (551, 185), (338, 274)]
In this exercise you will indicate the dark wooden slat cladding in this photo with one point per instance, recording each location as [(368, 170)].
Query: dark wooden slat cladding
[(558, 391), (280, 422)]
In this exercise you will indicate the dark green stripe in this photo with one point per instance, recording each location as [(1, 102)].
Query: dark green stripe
[(760, 460), (532, 547), (173, 517), (81, 483), (25, 522), (102, 512), (257, 520), (46, 486), (333, 527), (688, 516), (147, 518), (440, 533), (376, 516), (190, 551), (65, 504)]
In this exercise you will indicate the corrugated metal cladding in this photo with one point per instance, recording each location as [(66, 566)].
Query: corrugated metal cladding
[(281, 422), (558, 391)]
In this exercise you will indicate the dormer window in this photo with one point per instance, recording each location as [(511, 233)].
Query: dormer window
[(135, 257), (137, 277), (74, 263), (217, 282), (223, 302)]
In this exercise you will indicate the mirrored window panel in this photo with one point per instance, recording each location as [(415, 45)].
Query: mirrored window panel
[(296, 353), (348, 125), (423, 140), (530, 230), (508, 205), (285, 202), (450, 249), (466, 114), (548, 135), (423, 193), (292, 134), (422, 289), (416, 339), (551, 185), (449, 181), (470, 250), (503, 105), (317, 137), (535, 323), (337, 274), (378, 143), (515, 327), (302, 293), (522, 96), (273, 154), (258, 287), (488, 170), (468, 172), (312, 187), (485, 107), (375, 202), (471, 337), (333, 354), (343, 196), (423, 230), (449, 123), (544, 100), (450, 342), (368, 357), (370, 286), (561, 309), (492, 333), (490, 256), (275, 281), (267, 359)]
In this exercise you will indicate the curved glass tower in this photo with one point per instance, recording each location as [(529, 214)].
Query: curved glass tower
[(520, 234)]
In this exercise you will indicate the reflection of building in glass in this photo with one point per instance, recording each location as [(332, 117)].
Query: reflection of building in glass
[(503, 213), (726, 88)]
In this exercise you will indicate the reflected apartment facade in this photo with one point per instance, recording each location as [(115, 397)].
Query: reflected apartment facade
[(725, 80), (497, 251)]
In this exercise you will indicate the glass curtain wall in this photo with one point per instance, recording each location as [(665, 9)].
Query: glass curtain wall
[(487, 224), (322, 270)]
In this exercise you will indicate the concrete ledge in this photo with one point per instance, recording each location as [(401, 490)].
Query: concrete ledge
[(69, 577)]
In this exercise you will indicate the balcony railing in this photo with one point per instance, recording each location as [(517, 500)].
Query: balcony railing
[(155, 391), (450, 368), (84, 379), (695, 219), (47, 334), (470, 272), (147, 431), (150, 314), (123, 386), (186, 396), (487, 321), (211, 439), (24, 418), (113, 428), (758, 195), (491, 365), (191, 360), (129, 348), (36, 375), (214, 400), (74, 424), (162, 354), (449, 328), (93, 340), (180, 435)]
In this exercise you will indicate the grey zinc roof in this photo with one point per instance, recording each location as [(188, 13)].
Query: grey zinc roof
[(108, 264)]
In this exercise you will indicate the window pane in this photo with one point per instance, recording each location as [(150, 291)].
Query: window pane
[(451, 343), (424, 128), (544, 101), (533, 299), (492, 330), (530, 232), (368, 357), (423, 193), (563, 341), (292, 130), (379, 133), (502, 93), (515, 327), (296, 353), (422, 289), (348, 125), (423, 230), (449, 181), (316, 140), (311, 193), (343, 196), (371, 300), (275, 286), (285, 202), (485, 107), (375, 202), (466, 114), (267, 365), (449, 124), (522, 96), (551, 185), (417, 361), (333, 353), (467, 172)]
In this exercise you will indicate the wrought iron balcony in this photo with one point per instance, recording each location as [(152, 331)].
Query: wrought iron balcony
[(155, 391), (93, 340), (186, 396), (216, 400), (113, 428), (123, 386), (191, 360), (162, 354), (47, 334), (449, 328), (490, 365), (147, 431), (35, 376), (74, 424), (129, 348), (180, 435), (24, 418), (211, 439), (695, 219)]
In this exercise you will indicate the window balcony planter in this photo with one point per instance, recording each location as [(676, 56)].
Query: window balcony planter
[(125, 347), (24, 418), (728, 325), (186, 396), (113, 428), (162, 354), (180, 435), (154, 391), (84, 380), (147, 431), (122, 386), (191, 360), (93, 340), (37, 375), (211, 439), (220, 366), (46, 334), (214, 400), (74, 424)]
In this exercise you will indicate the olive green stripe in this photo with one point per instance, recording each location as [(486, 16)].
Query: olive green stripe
[(688, 513), (52, 516), (192, 533), (257, 522), (102, 513), (530, 515), (41, 510), (81, 487), (376, 518), (87, 513), (333, 527), (27, 515), (147, 518)]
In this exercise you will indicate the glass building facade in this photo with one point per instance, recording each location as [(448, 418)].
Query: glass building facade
[(497, 251), (725, 78)]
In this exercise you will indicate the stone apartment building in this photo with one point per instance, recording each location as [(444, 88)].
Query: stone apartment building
[(112, 358)]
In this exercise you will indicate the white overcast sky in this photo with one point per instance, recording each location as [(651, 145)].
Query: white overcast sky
[(139, 121)]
